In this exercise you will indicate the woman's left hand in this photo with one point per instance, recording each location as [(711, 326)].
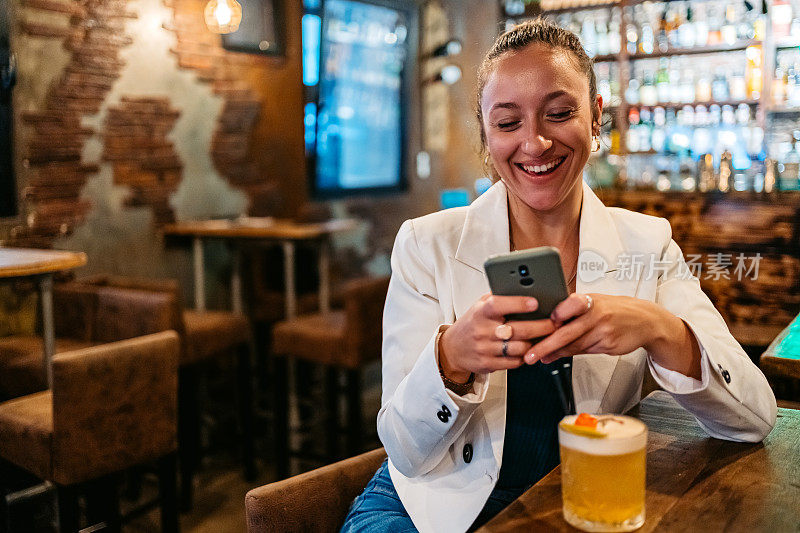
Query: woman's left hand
[(617, 325)]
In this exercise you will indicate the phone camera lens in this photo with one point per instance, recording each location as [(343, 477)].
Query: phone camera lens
[(523, 270)]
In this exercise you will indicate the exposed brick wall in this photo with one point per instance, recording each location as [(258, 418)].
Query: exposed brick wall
[(143, 159), (200, 50), (94, 36)]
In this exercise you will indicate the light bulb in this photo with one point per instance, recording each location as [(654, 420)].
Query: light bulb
[(223, 16)]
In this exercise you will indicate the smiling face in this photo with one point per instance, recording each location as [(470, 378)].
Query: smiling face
[(538, 123)]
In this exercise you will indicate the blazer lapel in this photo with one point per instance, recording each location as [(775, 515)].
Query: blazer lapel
[(485, 233), (601, 269)]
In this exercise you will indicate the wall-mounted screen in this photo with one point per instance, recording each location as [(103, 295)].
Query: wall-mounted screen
[(355, 119)]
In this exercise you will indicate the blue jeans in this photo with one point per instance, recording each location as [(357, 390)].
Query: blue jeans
[(379, 510)]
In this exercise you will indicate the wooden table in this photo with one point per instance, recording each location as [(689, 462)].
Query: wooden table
[(286, 232), (41, 265), (694, 482)]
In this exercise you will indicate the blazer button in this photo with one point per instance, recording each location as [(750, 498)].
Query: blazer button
[(726, 376), (441, 415), (467, 452)]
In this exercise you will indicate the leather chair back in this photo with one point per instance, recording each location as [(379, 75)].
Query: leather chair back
[(114, 406), (364, 300), (316, 501)]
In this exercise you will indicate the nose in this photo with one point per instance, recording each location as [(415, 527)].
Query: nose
[(536, 142)]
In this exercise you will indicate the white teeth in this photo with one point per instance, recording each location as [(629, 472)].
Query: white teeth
[(538, 169)]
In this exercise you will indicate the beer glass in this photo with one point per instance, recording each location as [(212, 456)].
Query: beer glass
[(603, 472)]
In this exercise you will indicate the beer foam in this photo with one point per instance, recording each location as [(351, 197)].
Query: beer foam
[(623, 435)]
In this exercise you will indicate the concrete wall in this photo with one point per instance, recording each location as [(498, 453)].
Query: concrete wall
[(120, 226)]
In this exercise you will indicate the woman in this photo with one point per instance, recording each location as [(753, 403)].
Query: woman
[(469, 415)]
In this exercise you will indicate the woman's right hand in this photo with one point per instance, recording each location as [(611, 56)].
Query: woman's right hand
[(471, 345)]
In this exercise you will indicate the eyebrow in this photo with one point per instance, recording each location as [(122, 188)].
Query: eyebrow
[(511, 105)]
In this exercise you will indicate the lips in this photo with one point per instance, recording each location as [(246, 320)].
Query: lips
[(543, 169)]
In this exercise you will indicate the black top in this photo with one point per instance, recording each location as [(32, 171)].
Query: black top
[(533, 411)]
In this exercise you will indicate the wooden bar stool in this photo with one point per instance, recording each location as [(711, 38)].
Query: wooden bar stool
[(346, 340), (112, 407)]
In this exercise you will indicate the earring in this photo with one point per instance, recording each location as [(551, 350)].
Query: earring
[(486, 160), (595, 143)]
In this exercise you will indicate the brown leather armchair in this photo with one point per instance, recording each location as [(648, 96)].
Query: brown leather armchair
[(314, 501), (111, 407), (84, 316), (204, 335)]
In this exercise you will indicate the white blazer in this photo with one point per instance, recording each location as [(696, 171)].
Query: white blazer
[(437, 274)]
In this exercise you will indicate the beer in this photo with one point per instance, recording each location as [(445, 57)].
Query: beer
[(603, 472)]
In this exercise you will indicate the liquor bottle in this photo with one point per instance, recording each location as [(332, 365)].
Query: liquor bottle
[(703, 88), (781, 16), (715, 19), (631, 31), (687, 87), (601, 31), (778, 87), (791, 166), (648, 94), (661, 38), (662, 81), (673, 24), (632, 92), (647, 40), (719, 87), (760, 22), (753, 77), (675, 80), (658, 138), (632, 136), (614, 38), (687, 36), (700, 25), (589, 36), (728, 29), (644, 129), (738, 85), (793, 94)]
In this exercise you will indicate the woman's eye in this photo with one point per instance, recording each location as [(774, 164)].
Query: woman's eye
[(560, 116), (506, 125)]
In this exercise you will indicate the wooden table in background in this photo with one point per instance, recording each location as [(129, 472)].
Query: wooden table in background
[(41, 265), (286, 232), (694, 482)]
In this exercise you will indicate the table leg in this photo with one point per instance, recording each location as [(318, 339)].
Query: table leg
[(48, 329), (236, 281), (199, 275), (288, 279), (323, 267)]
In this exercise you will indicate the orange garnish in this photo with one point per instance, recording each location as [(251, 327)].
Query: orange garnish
[(586, 420)]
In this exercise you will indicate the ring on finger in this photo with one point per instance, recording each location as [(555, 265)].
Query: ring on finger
[(589, 303), (505, 348), (504, 332)]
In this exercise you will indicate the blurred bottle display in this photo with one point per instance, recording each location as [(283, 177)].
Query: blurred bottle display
[(683, 89)]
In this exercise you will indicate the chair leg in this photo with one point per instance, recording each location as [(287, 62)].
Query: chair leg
[(188, 432), (281, 406), (68, 510), (167, 493), (245, 396), (332, 412), (354, 419)]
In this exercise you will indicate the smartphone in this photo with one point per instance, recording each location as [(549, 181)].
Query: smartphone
[(536, 272)]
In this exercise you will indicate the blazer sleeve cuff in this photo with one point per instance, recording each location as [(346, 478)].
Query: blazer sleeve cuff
[(677, 383)]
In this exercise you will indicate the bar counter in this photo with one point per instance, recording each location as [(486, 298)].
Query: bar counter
[(694, 482)]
